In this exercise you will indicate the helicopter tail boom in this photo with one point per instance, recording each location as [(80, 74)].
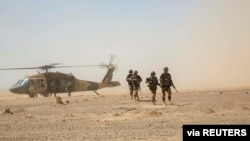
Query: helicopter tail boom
[(111, 84)]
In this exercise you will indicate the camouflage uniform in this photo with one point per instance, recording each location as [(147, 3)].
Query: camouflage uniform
[(69, 88), (53, 88), (152, 84), (166, 83), (136, 80), (128, 79)]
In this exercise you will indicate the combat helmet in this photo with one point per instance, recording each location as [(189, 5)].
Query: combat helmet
[(152, 73), (135, 72), (130, 71), (165, 69)]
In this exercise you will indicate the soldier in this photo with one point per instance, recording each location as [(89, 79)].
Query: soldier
[(166, 83), (136, 80), (69, 88), (53, 88), (128, 79), (152, 84)]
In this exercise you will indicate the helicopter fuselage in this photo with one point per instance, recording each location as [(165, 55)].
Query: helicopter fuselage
[(55, 82), (41, 84)]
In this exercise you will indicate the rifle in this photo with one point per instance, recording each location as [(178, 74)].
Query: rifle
[(171, 84), (175, 90), (174, 87)]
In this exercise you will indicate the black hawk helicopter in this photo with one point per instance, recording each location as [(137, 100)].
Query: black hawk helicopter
[(47, 83)]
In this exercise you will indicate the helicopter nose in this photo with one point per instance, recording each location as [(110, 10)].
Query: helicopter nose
[(18, 90), (13, 90)]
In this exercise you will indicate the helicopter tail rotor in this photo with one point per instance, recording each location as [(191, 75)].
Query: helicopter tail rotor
[(110, 65), (111, 59)]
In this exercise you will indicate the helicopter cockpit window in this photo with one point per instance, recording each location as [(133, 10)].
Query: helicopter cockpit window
[(18, 83), (22, 82)]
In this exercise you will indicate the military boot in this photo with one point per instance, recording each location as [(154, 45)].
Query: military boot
[(137, 97), (163, 99), (131, 95), (169, 100), (153, 99)]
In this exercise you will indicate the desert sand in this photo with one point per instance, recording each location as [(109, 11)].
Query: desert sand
[(112, 115)]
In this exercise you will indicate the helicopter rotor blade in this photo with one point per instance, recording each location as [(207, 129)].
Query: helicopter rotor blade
[(102, 65), (53, 64), (111, 59), (20, 68), (78, 66), (46, 67)]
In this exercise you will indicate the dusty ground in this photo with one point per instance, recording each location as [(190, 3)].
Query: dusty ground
[(114, 116)]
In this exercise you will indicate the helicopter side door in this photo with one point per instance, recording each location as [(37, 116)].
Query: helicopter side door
[(40, 85), (62, 85)]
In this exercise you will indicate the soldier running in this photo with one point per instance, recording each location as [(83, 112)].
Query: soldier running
[(128, 79), (136, 80), (166, 83), (152, 84)]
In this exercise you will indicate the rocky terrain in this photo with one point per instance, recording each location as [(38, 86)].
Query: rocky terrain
[(112, 115)]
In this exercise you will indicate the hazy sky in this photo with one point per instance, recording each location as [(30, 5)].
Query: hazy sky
[(204, 43)]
